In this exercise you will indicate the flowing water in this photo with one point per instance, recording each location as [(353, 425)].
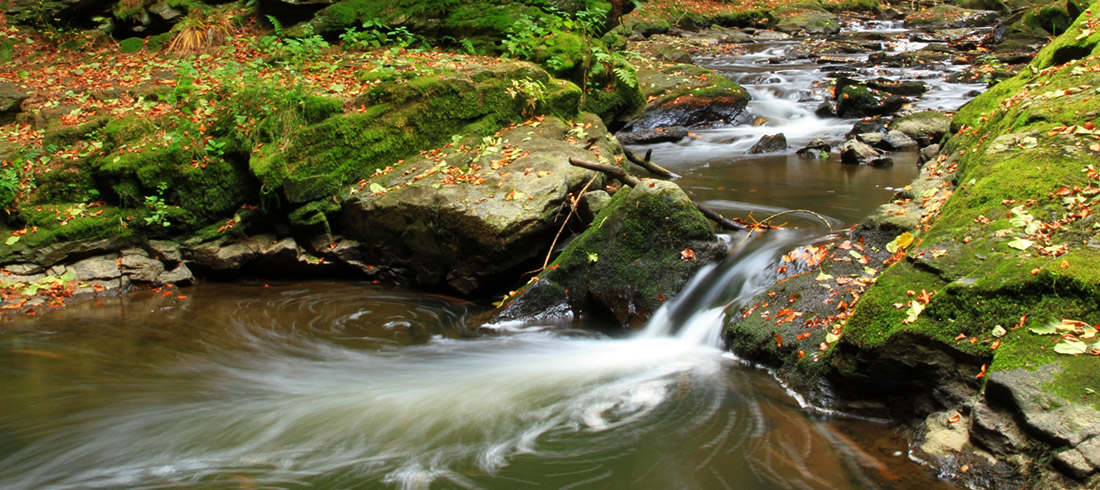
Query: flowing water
[(349, 385)]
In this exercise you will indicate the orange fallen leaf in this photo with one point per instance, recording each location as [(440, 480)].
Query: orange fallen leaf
[(687, 254), (954, 418), (1065, 264), (982, 373)]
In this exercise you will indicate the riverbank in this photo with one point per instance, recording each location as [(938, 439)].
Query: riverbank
[(393, 157)]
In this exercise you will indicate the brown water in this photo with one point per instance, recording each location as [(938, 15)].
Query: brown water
[(349, 385)]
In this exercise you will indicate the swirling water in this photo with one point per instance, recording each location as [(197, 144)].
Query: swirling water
[(350, 385)]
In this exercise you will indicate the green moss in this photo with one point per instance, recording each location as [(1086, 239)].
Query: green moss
[(55, 223), (637, 233), (131, 45), (7, 45)]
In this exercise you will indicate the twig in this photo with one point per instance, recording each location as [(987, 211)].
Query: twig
[(572, 210), (633, 181), (647, 164), (781, 213)]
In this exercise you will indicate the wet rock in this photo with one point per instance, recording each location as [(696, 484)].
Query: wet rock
[(101, 267), (649, 242), (858, 100), (706, 99), (927, 154), (1073, 463), (218, 256), (11, 102), (180, 276), (594, 202), (925, 127), (21, 270), (873, 139), (996, 431), (1048, 416), (468, 237), (868, 125), (653, 135), (808, 20), (817, 149), (165, 251), (855, 152), (825, 109), (896, 87), (895, 140), (769, 143), (137, 264), (951, 16)]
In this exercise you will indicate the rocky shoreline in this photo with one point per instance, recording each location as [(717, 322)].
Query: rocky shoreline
[(451, 172)]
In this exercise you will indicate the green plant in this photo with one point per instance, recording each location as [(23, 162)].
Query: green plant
[(376, 34), (157, 207), (9, 186), (214, 148), (200, 30), (533, 92)]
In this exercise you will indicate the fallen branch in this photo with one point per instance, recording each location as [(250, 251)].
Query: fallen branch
[(633, 181), (573, 201), (647, 164)]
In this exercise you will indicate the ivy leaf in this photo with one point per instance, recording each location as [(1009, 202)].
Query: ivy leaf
[(11, 240), (1071, 347), (1047, 329), (900, 242), (1021, 244), (593, 257)]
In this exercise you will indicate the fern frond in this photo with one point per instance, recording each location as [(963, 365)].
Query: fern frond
[(627, 77), (275, 24)]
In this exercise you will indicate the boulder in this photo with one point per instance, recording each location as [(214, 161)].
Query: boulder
[(11, 102), (706, 99), (141, 269), (811, 21), (925, 127), (641, 250), (817, 149), (858, 100), (855, 152), (927, 154), (895, 140), (769, 143), (653, 135), (470, 219), (1046, 415)]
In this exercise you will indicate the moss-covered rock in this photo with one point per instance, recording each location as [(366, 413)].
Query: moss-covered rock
[(476, 211), (807, 20), (689, 96), (638, 252)]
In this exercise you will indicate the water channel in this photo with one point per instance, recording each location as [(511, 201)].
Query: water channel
[(351, 385)]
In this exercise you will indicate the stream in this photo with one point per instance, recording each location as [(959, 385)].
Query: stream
[(352, 385)]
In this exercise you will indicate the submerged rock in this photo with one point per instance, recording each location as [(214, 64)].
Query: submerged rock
[(640, 251)]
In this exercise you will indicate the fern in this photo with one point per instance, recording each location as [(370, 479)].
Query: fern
[(275, 24), (467, 45), (626, 76)]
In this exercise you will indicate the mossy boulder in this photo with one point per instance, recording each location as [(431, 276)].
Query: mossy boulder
[(926, 127), (811, 21), (402, 118), (478, 212), (947, 16), (689, 96), (638, 252)]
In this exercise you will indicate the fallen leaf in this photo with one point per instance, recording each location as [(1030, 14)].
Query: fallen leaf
[(1071, 347), (1021, 244), (999, 331), (981, 374), (687, 254)]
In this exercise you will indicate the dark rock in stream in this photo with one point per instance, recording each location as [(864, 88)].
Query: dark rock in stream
[(855, 152), (817, 149), (642, 249), (895, 140), (653, 135), (769, 143)]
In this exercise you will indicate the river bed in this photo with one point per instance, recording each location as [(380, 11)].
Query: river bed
[(269, 384)]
